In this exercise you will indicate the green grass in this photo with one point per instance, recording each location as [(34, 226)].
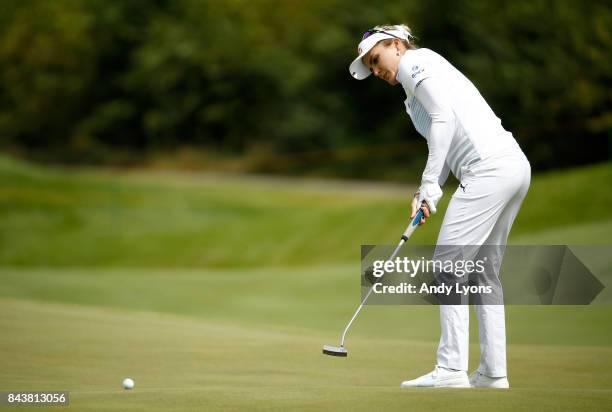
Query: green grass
[(79, 218), (182, 363), (217, 292), (311, 298)]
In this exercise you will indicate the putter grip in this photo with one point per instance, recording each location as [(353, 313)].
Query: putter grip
[(413, 224)]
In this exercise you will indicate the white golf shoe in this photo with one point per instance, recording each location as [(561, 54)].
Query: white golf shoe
[(478, 380), (439, 378)]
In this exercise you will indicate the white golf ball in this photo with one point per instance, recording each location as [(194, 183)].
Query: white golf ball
[(128, 383)]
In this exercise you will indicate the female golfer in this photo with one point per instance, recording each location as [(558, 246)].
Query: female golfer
[(464, 137)]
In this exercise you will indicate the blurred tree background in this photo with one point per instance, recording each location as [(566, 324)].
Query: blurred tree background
[(263, 85)]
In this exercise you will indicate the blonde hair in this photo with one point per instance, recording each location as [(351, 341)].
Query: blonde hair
[(404, 29)]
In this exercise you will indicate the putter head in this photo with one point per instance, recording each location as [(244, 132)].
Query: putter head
[(335, 351)]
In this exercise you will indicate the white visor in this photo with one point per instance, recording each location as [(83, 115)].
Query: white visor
[(359, 70)]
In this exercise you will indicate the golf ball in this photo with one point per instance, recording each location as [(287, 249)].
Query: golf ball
[(128, 383)]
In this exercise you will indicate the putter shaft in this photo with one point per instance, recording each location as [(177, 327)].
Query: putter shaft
[(405, 236)]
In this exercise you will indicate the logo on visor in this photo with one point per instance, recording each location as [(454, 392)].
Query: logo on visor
[(415, 68)]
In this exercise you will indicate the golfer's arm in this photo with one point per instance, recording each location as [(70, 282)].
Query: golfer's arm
[(433, 98), (443, 175)]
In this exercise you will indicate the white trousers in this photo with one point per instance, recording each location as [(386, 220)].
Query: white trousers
[(482, 211)]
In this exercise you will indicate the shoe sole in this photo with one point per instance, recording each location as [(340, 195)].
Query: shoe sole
[(455, 385), (447, 384)]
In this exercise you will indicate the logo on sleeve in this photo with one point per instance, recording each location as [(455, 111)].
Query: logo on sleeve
[(417, 72)]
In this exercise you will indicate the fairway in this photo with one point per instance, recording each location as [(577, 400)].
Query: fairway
[(218, 292)]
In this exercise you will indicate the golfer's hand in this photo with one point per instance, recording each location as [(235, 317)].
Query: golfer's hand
[(415, 208)]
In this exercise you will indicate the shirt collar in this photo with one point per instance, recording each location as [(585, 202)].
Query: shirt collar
[(400, 67)]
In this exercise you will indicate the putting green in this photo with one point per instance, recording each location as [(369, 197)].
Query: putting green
[(218, 292), (186, 363)]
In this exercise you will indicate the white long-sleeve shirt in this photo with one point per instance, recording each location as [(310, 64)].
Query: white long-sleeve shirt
[(447, 109)]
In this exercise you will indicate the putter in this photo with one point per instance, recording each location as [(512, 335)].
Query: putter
[(341, 350)]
